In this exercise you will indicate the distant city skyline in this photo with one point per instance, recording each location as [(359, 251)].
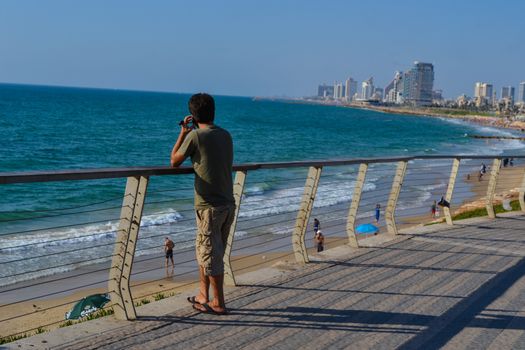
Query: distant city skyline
[(268, 48)]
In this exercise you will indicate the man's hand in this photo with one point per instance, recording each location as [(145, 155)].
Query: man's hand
[(185, 128)]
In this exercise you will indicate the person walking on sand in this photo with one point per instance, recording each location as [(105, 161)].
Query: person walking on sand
[(433, 210), (377, 212), (211, 151), (319, 241), (168, 250), (482, 171), (317, 225)]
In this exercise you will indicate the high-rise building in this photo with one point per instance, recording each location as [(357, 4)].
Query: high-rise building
[(483, 90), (367, 88), (418, 83), (437, 95), (483, 94), (521, 93), (394, 91), (378, 94), (338, 91), (350, 89), (507, 92), (325, 91)]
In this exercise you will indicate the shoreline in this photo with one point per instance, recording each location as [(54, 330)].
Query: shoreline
[(492, 121)]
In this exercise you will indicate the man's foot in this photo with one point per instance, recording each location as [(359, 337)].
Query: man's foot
[(208, 309)]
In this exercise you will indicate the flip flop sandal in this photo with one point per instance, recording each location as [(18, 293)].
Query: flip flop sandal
[(192, 300), (209, 310)]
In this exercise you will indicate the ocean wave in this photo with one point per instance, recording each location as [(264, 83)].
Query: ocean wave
[(288, 200), (87, 233)]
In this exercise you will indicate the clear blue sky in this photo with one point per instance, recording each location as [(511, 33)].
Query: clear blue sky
[(248, 48)]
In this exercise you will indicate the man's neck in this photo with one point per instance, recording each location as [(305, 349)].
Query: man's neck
[(205, 125)]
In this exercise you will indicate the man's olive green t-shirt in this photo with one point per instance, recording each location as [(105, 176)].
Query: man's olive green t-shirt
[(211, 152)]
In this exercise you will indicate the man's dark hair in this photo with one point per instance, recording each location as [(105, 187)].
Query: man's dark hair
[(202, 108)]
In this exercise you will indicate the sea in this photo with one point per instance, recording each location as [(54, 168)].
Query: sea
[(61, 226)]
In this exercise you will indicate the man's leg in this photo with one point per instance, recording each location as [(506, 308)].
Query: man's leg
[(222, 220), (217, 283), (217, 304), (204, 287)]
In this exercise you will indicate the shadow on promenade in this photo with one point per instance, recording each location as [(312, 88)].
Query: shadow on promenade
[(425, 331)]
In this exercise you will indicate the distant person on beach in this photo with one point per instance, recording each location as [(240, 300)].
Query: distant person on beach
[(168, 250), (482, 171), (433, 210), (377, 212), (319, 241), (211, 151), (317, 225)]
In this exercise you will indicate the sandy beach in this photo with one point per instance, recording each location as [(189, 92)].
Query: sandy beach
[(48, 311), (472, 118), (507, 188)]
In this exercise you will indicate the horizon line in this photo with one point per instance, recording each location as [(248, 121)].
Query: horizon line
[(115, 89)]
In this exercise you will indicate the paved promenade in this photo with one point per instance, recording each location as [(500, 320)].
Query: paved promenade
[(454, 288)]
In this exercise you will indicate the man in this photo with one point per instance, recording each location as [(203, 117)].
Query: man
[(168, 250), (317, 224), (319, 241), (211, 151)]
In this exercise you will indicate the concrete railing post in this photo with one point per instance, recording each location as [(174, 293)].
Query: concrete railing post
[(125, 244), (522, 194), (491, 188), (394, 195), (352, 212), (301, 222), (238, 189), (450, 190)]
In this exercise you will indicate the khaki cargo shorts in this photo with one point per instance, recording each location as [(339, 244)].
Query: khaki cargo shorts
[(213, 228)]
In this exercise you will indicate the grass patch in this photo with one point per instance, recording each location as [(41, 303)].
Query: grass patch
[(98, 314), (463, 112), (479, 212), (159, 296), (434, 222), (12, 338), (40, 330), (66, 324), (145, 301)]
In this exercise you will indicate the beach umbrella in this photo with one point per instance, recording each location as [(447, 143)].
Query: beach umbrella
[(366, 228), (87, 305)]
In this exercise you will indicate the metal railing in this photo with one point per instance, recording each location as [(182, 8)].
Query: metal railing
[(270, 227)]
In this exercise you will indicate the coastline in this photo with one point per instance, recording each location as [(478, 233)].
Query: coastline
[(485, 120), (492, 121)]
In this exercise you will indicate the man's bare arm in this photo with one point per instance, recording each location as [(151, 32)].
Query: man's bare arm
[(176, 158)]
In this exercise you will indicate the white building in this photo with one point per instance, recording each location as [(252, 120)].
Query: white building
[(521, 93), (483, 90), (350, 89), (338, 91), (394, 91), (367, 88)]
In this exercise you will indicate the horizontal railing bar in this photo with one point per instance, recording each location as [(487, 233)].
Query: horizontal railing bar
[(107, 173)]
